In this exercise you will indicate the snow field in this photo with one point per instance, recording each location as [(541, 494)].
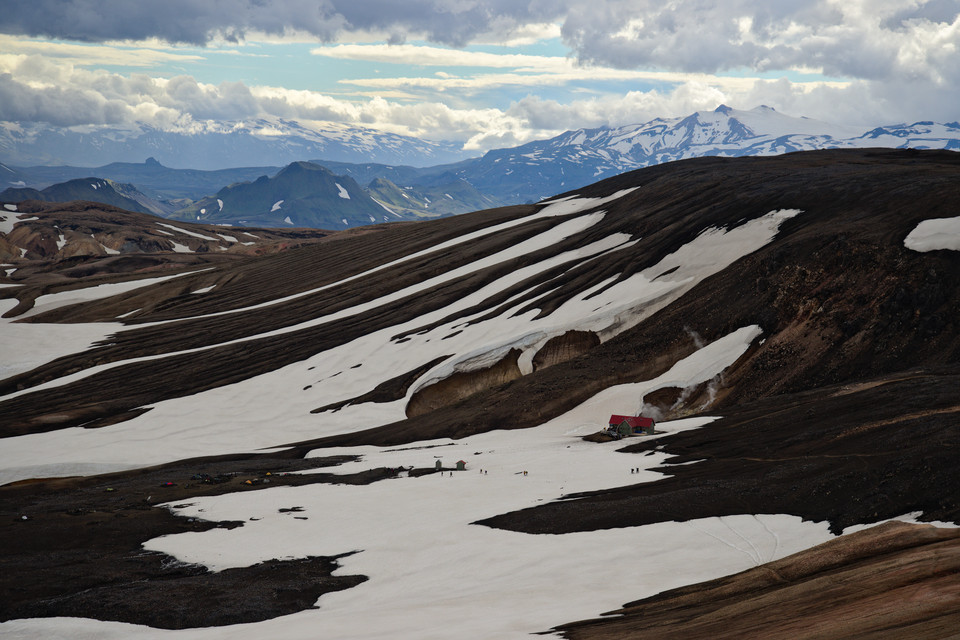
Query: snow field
[(232, 418), (8, 220), (27, 346), (75, 296), (433, 573), (431, 570)]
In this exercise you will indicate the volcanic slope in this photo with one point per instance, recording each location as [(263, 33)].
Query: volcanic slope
[(788, 294)]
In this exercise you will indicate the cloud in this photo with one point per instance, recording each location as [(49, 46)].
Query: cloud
[(93, 55), (866, 39), (439, 57), (40, 89), (882, 40), (525, 70), (892, 60), (863, 39), (455, 22)]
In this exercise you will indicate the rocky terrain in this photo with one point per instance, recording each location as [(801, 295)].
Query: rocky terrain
[(841, 408), (49, 248)]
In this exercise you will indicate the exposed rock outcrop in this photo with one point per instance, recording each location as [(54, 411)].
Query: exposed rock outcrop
[(565, 347), (463, 384)]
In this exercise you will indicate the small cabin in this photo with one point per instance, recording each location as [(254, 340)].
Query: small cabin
[(461, 465), (622, 426)]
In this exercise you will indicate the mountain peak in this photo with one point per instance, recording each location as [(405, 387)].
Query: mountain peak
[(724, 109), (152, 162), (302, 167)]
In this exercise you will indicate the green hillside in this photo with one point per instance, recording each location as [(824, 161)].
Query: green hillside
[(423, 201)]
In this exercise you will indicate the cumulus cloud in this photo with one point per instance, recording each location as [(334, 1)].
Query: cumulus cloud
[(859, 39), (893, 60), (864, 39)]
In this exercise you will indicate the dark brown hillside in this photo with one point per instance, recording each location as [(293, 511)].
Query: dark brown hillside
[(837, 293), (845, 411)]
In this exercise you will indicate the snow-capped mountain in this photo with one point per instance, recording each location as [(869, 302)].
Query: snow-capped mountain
[(401, 431), (266, 141), (576, 158), (523, 174)]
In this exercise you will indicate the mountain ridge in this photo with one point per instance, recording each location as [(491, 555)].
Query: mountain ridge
[(537, 169), (275, 141)]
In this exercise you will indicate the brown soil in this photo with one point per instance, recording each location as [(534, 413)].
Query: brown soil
[(892, 581)]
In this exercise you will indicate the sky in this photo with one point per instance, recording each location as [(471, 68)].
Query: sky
[(481, 73)]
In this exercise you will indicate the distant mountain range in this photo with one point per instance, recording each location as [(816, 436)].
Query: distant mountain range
[(273, 141), (577, 158), (523, 174)]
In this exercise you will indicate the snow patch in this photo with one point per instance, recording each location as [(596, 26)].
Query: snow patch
[(342, 192), (188, 233), (388, 209), (934, 234), (8, 222), (276, 206), (10, 207), (288, 220)]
